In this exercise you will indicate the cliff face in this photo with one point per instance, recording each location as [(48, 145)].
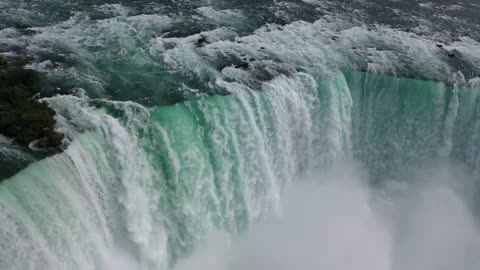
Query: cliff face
[(23, 117)]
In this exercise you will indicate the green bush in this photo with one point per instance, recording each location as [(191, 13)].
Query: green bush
[(22, 116)]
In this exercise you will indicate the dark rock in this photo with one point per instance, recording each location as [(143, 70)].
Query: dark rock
[(262, 48), (334, 38), (439, 45), (201, 41), (243, 65), (29, 32), (451, 54)]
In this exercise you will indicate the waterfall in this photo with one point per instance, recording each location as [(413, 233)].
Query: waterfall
[(145, 187)]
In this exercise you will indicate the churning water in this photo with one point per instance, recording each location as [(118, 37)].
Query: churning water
[(229, 135)]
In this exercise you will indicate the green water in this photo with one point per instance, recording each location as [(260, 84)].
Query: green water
[(311, 134), (157, 181)]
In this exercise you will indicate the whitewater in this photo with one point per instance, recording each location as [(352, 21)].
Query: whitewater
[(228, 135)]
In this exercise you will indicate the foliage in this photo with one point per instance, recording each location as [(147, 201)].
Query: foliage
[(23, 117)]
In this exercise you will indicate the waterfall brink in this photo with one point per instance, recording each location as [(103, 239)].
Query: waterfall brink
[(141, 188)]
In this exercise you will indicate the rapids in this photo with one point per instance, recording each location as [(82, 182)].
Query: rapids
[(343, 142)]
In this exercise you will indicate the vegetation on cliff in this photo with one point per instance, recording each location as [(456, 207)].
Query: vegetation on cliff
[(22, 116)]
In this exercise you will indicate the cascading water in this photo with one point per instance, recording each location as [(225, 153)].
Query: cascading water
[(297, 139)]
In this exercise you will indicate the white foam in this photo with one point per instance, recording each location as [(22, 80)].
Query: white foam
[(227, 17)]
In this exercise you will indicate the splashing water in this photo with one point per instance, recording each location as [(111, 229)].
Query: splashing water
[(336, 221), (148, 187), (296, 135)]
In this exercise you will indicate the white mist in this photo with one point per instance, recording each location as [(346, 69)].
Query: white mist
[(338, 222)]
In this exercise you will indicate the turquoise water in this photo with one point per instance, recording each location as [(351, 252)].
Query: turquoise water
[(147, 187), (347, 141)]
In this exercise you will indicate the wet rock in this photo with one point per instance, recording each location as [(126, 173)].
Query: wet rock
[(201, 41), (439, 45), (29, 32), (243, 65)]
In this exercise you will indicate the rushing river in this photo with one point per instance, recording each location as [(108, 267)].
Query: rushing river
[(234, 135)]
